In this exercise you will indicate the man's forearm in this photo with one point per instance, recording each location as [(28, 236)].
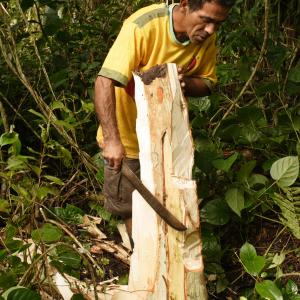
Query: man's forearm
[(196, 87), (105, 106)]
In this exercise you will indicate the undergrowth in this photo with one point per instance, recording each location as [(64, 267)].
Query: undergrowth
[(246, 148)]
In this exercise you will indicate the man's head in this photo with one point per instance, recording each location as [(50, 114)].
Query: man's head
[(201, 18), (197, 4)]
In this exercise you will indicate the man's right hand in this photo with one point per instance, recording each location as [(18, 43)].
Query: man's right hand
[(113, 153)]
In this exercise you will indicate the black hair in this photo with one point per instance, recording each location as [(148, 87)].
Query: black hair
[(197, 4)]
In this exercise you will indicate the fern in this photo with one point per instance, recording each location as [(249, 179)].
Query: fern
[(290, 207)]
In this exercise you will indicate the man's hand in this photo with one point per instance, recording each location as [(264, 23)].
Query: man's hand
[(181, 78), (105, 105), (113, 153), (192, 86)]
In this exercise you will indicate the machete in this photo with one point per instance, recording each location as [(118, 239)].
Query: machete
[(157, 206)]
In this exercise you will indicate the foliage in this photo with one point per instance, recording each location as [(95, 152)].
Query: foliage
[(51, 171)]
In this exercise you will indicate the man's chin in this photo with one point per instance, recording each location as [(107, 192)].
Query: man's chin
[(198, 40)]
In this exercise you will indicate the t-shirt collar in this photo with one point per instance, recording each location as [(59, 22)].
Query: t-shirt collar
[(172, 33)]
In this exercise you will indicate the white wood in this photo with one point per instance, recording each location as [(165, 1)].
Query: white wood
[(166, 264)]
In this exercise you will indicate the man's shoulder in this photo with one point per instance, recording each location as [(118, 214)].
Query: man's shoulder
[(148, 14)]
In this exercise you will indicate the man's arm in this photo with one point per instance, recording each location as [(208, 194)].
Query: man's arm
[(105, 106), (193, 86)]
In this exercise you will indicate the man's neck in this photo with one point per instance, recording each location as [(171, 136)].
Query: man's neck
[(178, 24)]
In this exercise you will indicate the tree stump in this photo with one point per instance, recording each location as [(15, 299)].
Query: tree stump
[(165, 264)]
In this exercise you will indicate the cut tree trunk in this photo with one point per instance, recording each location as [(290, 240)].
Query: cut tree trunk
[(165, 264)]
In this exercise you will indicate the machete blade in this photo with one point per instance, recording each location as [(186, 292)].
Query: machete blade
[(157, 206)]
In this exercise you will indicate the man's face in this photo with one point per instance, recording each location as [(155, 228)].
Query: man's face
[(202, 23)]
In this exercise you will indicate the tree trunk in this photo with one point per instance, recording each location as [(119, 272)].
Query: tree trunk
[(166, 264)]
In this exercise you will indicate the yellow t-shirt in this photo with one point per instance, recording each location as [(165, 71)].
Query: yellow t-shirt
[(145, 40)]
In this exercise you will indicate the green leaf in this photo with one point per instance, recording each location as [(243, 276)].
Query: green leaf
[(25, 4), (250, 114), (10, 231), (54, 179), (23, 294), (294, 74), (268, 290), (77, 297), (285, 170), (257, 180), (298, 148), (225, 164), (38, 114), (4, 206), (278, 259), (43, 191), (252, 262), (222, 284), (70, 214), (291, 287), (48, 233), (235, 199), (68, 256), (123, 280), (215, 212), (8, 279), (246, 170), (289, 212), (8, 138), (211, 249)]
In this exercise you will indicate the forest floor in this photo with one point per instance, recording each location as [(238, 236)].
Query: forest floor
[(267, 237)]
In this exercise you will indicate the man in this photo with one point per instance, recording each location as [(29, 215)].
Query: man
[(181, 33)]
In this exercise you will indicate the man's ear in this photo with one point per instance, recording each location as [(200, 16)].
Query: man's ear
[(183, 4)]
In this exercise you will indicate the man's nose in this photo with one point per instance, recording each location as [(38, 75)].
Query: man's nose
[(210, 28)]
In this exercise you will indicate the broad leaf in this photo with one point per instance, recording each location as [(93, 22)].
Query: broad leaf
[(294, 74), (235, 199), (54, 179), (70, 214), (48, 233), (68, 256), (291, 287), (257, 181), (298, 148), (8, 138), (215, 212), (25, 4), (8, 279), (252, 262), (23, 294), (211, 248), (225, 164), (268, 290), (77, 297), (246, 170), (285, 170)]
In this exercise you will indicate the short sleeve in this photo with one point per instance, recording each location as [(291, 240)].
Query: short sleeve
[(124, 56)]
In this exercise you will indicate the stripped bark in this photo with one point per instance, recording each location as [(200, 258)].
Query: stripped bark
[(166, 264)]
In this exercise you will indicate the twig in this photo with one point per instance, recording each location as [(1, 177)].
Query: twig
[(4, 117), (71, 235), (260, 59), (289, 274), (19, 115), (16, 68)]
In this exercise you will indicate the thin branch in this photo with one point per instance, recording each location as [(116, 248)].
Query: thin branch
[(72, 236), (19, 115), (4, 117), (259, 61)]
